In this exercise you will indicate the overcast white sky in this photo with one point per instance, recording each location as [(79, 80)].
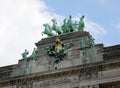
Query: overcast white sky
[(21, 25)]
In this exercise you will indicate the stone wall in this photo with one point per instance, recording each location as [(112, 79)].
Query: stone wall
[(86, 68), (74, 57)]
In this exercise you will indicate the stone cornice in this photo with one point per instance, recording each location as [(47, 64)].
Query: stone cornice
[(63, 37), (94, 67)]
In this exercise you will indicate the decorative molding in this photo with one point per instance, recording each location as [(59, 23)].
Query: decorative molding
[(63, 73)]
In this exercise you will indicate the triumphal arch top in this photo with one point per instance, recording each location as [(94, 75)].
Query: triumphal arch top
[(67, 58)]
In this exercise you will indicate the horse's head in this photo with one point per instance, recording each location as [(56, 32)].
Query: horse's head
[(54, 20), (70, 16), (64, 20), (82, 17), (44, 25)]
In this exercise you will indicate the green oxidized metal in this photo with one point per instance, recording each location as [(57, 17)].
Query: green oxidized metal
[(57, 50), (34, 54), (55, 27), (24, 55), (48, 30), (81, 24), (68, 26), (89, 42)]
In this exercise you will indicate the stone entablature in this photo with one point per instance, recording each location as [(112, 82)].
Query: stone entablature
[(6, 71), (97, 68), (63, 37), (78, 66), (111, 53)]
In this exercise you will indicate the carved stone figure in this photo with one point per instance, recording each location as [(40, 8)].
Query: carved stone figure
[(48, 30), (81, 24), (56, 27)]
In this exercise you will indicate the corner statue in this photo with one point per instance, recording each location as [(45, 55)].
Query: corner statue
[(34, 54), (81, 24), (92, 43), (24, 55)]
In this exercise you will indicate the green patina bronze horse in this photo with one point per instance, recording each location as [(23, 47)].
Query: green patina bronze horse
[(65, 27), (57, 29), (81, 24), (48, 30)]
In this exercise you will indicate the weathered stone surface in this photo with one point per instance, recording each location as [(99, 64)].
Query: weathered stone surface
[(87, 68), (63, 37)]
